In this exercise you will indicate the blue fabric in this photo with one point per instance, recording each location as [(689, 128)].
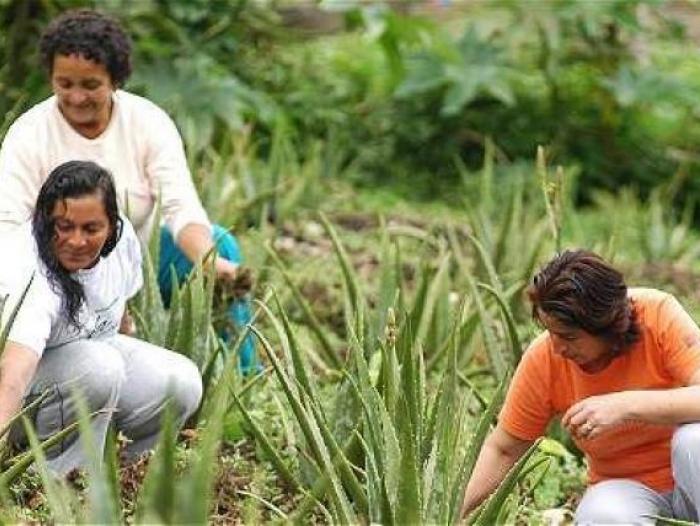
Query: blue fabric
[(238, 311)]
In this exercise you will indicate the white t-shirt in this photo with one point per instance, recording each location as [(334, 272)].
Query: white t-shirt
[(141, 147), (40, 323)]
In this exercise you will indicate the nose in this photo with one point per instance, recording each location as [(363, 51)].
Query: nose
[(76, 239), (76, 97)]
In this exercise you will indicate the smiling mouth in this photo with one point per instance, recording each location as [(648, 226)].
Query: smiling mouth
[(77, 256)]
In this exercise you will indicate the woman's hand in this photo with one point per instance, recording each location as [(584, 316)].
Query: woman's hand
[(127, 325), (595, 415), (236, 280), (225, 270)]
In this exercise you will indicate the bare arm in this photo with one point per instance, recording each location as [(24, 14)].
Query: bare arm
[(17, 366), (195, 241), (595, 415), (501, 450), (126, 325)]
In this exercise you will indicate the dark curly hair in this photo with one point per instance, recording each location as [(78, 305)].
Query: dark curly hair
[(70, 180), (580, 290), (92, 35)]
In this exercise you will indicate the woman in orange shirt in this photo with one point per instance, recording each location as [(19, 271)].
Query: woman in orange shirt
[(621, 368)]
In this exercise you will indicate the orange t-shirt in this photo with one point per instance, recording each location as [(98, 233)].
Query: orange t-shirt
[(666, 356)]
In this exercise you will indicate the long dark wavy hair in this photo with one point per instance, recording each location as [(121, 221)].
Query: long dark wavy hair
[(70, 180), (582, 291)]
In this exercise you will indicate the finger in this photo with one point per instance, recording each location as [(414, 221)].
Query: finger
[(594, 433), (574, 409), (585, 430), (579, 418)]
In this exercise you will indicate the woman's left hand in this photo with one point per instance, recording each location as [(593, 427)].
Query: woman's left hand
[(225, 270), (236, 279), (595, 415)]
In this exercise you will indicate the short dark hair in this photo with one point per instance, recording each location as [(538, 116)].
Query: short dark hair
[(69, 180), (579, 289), (92, 35)]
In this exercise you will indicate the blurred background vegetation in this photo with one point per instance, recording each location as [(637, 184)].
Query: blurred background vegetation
[(407, 93)]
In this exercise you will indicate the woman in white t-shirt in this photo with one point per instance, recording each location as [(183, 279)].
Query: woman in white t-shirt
[(87, 56), (83, 261)]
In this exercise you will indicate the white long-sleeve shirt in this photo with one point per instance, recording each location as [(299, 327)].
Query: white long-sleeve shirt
[(141, 147)]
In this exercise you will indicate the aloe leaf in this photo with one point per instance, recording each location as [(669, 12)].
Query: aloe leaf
[(267, 446), (13, 315), (515, 343), (460, 336), (111, 457), (486, 262), (102, 509), (300, 369), (508, 225), (175, 320), (410, 382), (314, 324), (184, 343), (349, 274), (55, 495), (473, 389), (668, 521), (492, 350), (311, 432), (195, 490), (347, 475), (390, 364), (434, 290), (320, 488), (475, 445), (157, 497), (490, 510), (409, 504), (26, 411)]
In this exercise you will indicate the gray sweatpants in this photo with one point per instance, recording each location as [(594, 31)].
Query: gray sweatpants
[(623, 501), (129, 378)]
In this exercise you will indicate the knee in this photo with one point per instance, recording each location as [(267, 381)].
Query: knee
[(88, 369), (100, 379), (184, 388), (609, 502), (686, 442)]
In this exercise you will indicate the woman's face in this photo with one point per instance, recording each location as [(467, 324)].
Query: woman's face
[(81, 230), (84, 92), (591, 353)]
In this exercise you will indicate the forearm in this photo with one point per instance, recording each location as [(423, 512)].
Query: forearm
[(126, 325), (665, 407), (11, 394), (17, 367), (491, 467), (196, 243)]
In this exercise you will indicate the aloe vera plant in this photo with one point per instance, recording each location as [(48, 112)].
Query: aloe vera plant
[(413, 445)]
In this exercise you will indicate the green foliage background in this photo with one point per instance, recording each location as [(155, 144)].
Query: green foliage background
[(609, 87)]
